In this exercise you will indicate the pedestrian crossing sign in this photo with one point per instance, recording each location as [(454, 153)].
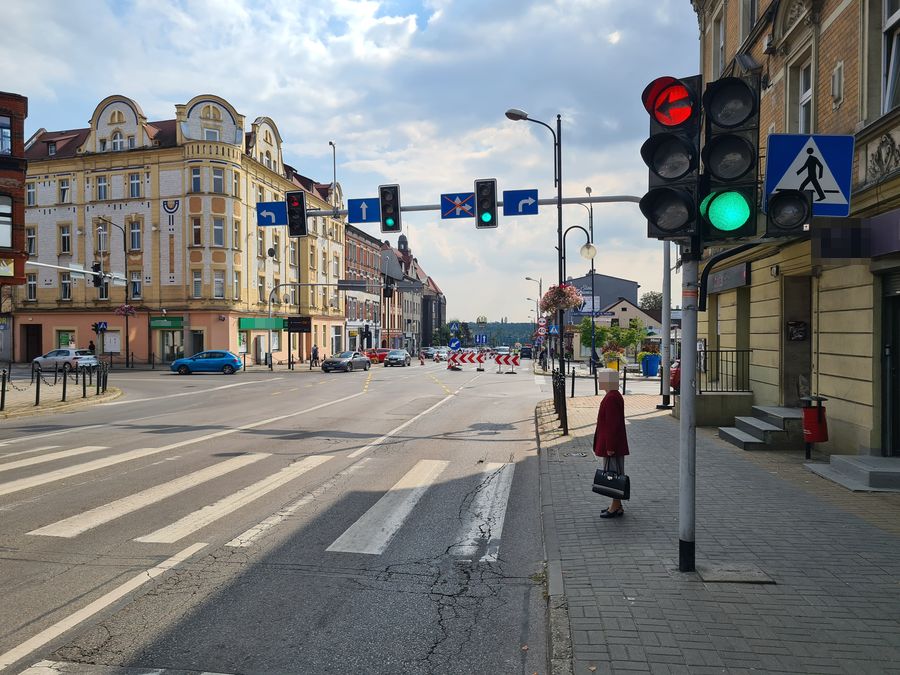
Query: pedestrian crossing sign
[(819, 163)]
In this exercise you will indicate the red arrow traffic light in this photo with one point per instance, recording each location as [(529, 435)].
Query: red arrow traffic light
[(669, 101)]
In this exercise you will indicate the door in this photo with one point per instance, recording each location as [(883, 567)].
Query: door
[(796, 339), (33, 338), (172, 345), (890, 376), (196, 341)]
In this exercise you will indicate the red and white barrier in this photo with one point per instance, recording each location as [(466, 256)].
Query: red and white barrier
[(507, 359)]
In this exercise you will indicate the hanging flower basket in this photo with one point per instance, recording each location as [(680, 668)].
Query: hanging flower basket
[(561, 297), (125, 310)]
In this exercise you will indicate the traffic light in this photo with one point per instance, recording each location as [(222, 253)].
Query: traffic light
[(96, 328), (296, 213), (672, 153), (728, 204), (389, 203), (788, 213), (97, 269), (486, 202)]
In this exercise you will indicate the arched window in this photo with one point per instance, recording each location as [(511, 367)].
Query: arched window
[(210, 112), (117, 117), (118, 141), (268, 137), (268, 160)]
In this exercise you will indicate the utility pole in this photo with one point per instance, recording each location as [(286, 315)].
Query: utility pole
[(688, 429)]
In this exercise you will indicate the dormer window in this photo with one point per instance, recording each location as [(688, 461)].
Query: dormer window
[(118, 141), (268, 161), (102, 145), (117, 117), (210, 112), (51, 148), (210, 134)]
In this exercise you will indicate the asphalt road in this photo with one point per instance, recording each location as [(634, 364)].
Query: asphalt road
[(290, 522)]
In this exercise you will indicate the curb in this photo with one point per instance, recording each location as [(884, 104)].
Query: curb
[(559, 638), (111, 394)]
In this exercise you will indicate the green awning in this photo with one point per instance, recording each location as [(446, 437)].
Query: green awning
[(265, 323), (174, 322)]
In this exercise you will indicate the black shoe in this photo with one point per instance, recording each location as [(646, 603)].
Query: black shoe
[(606, 513)]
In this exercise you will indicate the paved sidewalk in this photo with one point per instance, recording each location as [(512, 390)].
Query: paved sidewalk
[(19, 397), (619, 603)]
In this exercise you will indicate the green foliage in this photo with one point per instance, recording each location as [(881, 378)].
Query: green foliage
[(601, 333), (651, 300)]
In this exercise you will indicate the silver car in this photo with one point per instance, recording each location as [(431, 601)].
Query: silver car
[(67, 358), (346, 361), (397, 357)]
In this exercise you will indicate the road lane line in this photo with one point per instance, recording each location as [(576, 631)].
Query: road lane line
[(82, 522), (48, 634), (188, 393), (29, 452), (247, 538), (19, 463), (30, 437), (213, 512), (373, 531), (395, 430), (486, 513), (34, 481)]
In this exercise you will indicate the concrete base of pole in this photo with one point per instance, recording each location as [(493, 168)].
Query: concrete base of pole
[(686, 560)]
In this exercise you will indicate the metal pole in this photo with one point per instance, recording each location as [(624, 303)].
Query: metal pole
[(128, 362), (559, 240), (3, 391), (65, 379), (665, 383), (269, 345), (688, 429)]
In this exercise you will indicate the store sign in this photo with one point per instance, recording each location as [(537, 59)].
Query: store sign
[(173, 322), (730, 277)]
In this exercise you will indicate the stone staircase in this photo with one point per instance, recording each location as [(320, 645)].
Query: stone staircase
[(861, 472), (770, 428)]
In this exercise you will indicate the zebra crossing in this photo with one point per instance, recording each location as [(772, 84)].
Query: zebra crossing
[(370, 533)]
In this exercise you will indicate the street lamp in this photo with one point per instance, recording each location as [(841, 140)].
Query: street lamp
[(333, 173), (588, 251), (594, 358), (127, 283)]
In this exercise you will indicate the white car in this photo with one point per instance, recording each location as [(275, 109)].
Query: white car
[(67, 358), (502, 349)]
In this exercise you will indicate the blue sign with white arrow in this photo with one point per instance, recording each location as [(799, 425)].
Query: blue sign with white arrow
[(520, 202), (454, 343), (458, 205), (271, 213), (818, 163), (363, 210)]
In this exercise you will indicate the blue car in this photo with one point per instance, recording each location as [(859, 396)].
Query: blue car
[(212, 361)]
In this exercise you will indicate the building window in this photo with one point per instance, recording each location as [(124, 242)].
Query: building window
[(210, 134), (337, 267), (65, 286), (134, 185), (292, 254), (29, 194), (293, 295), (218, 185), (134, 235), (131, 142), (118, 142), (101, 237), (102, 145), (195, 180), (268, 160), (197, 285), (749, 12), (324, 262), (312, 296), (891, 51), (718, 46), (260, 194), (312, 258), (63, 190), (218, 231), (236, 291), (51, 148), (236, 235), (260, 243), (276, 244), (103, 290), (5, 136), (136, 285), (31, 287), (219, 284), (102, 188), (5, 221), (65, 239), (235, 184), (31, 240), (804, 111), (275, 297), (196, 232), (261, 288)]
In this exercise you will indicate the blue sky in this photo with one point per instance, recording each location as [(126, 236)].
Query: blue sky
[(411, 92)]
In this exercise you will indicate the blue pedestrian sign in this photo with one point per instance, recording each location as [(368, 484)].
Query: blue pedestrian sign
[(458, 205), (101, 326), (818, 163), (454, 327), (554, 330), (271, 213), (454, 343), (520, 202), (363, 210)]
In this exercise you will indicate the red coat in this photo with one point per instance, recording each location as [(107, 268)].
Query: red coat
[(609, 436)]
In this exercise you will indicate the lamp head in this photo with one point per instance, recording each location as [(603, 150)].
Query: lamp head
[(588, 251), (516, 115), (588, 190)]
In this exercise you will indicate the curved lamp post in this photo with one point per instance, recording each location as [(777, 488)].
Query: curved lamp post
[(588, 251), (127, 282)]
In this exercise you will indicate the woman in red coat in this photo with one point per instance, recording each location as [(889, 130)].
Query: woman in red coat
[(611, 443)]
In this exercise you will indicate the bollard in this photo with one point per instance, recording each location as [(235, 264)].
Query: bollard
[(596, 386), (3, 390), (65, 381), (106, 380), (32, 372), (55, 373), (97, 391), (624, 380), (573, 384), (37, 391), (84, 382), (76, 374)]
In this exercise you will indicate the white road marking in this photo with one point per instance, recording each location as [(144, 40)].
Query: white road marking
[(19, 463), (29, 452), (101, 603), (382, 439), (30, 437), (487, 513), (539, 380), (82, 522), (250, 536), (188, 393), (213, 512), (373, 531)]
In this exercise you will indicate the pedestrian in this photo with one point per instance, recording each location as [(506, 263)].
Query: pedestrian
[(611, 442), (91, 348), (315, 356)]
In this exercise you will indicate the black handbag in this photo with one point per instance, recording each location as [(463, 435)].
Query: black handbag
[(611, 484)]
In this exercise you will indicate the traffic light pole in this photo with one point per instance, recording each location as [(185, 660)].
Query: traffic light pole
[(688, 422)]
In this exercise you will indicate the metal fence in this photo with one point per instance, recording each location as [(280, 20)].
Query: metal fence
[(723, 370)]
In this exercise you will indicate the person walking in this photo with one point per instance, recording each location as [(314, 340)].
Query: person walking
[(611, 442), (314, 361), (91, 347)]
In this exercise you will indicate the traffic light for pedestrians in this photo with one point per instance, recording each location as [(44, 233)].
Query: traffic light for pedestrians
[(389, 203), (728, 204), (97, 269), (486, 202), (296, 213), (788, 213), (96, 328), (672, 153)]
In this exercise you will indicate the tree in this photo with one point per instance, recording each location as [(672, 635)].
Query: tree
[(601, 333), (651, 300)]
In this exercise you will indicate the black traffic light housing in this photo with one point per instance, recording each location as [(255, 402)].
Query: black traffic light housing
[(389, 204), (672, 153), (296, 213), (728, 192), (789, 213), (96, 328), (486, 203), (97, 269)]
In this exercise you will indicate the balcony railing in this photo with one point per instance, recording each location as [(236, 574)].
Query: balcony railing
[(723, 370)]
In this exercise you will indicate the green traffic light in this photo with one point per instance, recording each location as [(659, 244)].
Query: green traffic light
[(726, 211), (486, 217), (389, 222)]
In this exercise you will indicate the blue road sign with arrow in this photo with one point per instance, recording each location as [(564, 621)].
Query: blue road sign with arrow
[(520, 202), (458, 205), (818, 163), (363, 210), (271, 213), (454, 343)]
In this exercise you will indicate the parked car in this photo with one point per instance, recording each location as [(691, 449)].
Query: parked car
[(346, 361), (525, 353), (441, 354), (67, 358), (377, 355), (397, 357), (210, 361), (501, 350), (675, 376), (428, 352)]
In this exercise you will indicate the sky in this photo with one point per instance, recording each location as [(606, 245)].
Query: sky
[(411, 92)]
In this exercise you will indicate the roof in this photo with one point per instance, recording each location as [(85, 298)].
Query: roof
[(163, 132)]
